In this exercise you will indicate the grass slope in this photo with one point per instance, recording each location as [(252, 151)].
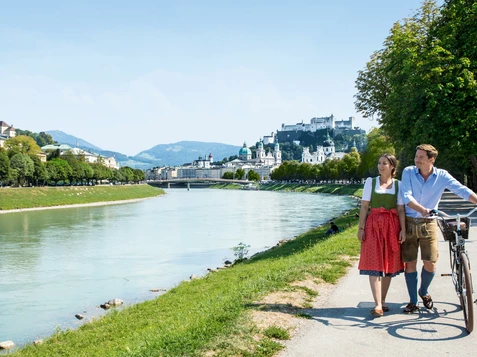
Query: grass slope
[(210, 316), (32, 197)]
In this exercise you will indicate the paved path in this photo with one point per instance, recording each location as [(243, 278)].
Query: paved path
[(342, 325)]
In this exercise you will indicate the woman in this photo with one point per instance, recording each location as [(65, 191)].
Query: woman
[(381, 231)]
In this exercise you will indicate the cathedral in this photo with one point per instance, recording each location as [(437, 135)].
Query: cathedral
[(323, 152)]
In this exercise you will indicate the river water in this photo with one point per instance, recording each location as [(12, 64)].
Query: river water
[(58, 263)]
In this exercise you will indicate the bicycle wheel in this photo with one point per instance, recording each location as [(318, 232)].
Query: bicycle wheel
[(465, 282)]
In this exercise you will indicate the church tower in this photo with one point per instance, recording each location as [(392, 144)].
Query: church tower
[(277, 154)]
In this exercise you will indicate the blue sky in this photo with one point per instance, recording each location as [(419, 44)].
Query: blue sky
[(128, 75)]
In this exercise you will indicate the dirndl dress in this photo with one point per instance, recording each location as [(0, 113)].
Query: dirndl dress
[(381, 251)]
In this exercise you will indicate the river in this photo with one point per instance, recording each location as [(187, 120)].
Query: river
[(58, 263)]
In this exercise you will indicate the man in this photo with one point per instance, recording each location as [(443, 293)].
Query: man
[(333, 229), (422, 187)]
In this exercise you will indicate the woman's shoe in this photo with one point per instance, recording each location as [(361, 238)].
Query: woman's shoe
[(410, 308), (376, 313), (385, 308)]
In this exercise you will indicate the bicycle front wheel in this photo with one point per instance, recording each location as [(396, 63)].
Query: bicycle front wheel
[(465, 292)]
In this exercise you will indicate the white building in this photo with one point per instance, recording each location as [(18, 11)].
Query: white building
[(321, 123), (6, 132), (323, 152), (89, 157)]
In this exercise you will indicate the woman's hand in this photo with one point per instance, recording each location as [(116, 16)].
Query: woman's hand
[(402, 236), (361, 235)]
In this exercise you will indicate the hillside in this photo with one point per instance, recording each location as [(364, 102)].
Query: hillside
[(187, 151), (173, 154)]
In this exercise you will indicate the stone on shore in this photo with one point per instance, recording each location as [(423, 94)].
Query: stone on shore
[(6, 345), (115, 302), (79, 316)]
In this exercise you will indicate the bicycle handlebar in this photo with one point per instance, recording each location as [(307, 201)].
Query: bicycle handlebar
[(440, 214)]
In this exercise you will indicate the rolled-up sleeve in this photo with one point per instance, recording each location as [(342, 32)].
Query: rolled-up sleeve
[(456, 187), (406, 187)]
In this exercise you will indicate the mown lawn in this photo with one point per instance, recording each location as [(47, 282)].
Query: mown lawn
[(32, 197)]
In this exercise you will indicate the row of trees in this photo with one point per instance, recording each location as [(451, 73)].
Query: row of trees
[(20, 165), (422, 85)]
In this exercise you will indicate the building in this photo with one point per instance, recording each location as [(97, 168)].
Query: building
[(323, 152), (89, 157), (6, 132), (264, 163)]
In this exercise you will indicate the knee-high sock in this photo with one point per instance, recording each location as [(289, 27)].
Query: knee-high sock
[(411, 283), (426, 279)]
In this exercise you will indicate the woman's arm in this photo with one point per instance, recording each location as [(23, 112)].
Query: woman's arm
[(402, 222), (362, 219)]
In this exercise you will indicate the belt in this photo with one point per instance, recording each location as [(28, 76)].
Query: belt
[(420, 220)]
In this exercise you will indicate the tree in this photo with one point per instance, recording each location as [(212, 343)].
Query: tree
[(22, 167), (239, 174), (421, 85), (378, 144), (22, 145), (4, 167), (127, 174), (349, 165), (40, 174), (253, 176), (138, 175), (58, 170), (228, 175)]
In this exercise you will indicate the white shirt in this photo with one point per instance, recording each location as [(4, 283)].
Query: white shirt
[(390, 191)]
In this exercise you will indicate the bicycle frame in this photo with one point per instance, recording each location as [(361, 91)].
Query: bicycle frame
[(459, 261)]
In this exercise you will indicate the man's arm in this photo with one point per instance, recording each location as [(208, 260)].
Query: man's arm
[(419, 208), (473, 198)]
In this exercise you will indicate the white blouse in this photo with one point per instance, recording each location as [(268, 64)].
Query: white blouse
[(368, 186)]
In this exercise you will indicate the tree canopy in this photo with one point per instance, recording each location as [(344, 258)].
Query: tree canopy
[(422, 86)]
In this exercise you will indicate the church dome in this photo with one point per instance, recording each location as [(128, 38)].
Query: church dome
[(244, 151)]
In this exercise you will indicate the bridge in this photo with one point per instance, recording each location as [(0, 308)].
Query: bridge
[(195, 182)]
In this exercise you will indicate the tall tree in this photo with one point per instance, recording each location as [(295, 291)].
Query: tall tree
[(422, 84), (22, 144), (22, 167), (4, 167)]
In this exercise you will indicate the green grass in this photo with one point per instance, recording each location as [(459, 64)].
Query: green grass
[(211, 313), (32, 197), (338, 189)]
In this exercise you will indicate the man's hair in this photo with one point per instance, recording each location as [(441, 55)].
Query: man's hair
[(430, 150), (393, 161)]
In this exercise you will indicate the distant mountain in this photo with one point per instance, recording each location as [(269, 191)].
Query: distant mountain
[(70, 140), (187, 151), (174, 154)]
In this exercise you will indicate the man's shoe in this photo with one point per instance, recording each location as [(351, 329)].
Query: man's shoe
[(427, 301), (410, 308)]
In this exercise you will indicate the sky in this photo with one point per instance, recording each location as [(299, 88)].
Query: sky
[(129, 75)]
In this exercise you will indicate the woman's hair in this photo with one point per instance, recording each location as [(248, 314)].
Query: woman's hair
[(393, 161)]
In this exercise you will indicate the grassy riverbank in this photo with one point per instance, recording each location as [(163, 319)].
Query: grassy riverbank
[(350, 190), (34, 197), (212, 316)]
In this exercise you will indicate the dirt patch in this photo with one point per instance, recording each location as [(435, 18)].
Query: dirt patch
[(282, 308)]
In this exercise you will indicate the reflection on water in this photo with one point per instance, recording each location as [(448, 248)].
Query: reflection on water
[(56, 263)]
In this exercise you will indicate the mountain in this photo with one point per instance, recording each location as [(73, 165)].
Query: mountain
[(174, 154), (187, 151), (73, 141)]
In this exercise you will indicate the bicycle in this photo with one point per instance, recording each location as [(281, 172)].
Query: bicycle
[(455, 229)]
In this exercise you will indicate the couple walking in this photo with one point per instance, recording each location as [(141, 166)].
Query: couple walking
[(394, 224)]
